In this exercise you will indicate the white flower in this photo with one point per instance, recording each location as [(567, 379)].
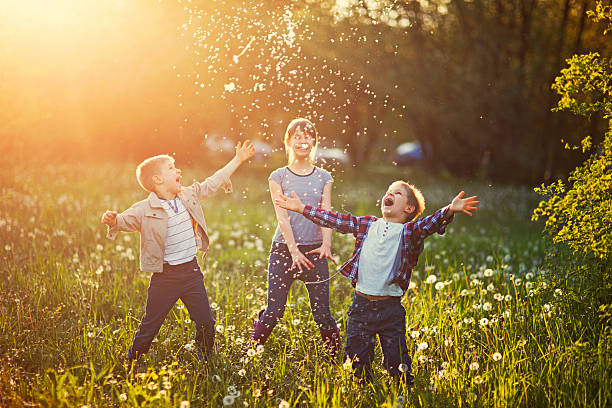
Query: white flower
[(478, 379), (283, 404), (483, 322), (529, 275), (508, 298), (122, 397), (401, 401), (488, 272), (518, 281), (403, 368), (456, 276), (423, 346), (439, 286), (498, 296), (242, 372), (491, 287), (228, 400), (412, 285), (216, 378), (251, 352), (431, 279), (497, 356), (489, 259), (529, 285), (448, 342), (415, 334), (474, 366), (231, 390), (487, 306)]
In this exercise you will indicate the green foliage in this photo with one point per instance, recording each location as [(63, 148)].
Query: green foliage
[(578, 213)]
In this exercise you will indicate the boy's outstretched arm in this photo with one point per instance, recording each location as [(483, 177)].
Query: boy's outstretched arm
[(343, 223), (221, 178)]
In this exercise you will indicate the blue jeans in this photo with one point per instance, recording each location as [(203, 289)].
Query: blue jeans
[(385, 318), (185, 282), (280, 279)]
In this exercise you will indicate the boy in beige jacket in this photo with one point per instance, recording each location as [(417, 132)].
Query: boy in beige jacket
[(172, 229)]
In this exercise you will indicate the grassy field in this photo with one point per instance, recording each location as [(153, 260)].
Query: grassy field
[(484, 326)]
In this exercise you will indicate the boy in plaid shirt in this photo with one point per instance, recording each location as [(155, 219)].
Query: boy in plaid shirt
[(386, 251)]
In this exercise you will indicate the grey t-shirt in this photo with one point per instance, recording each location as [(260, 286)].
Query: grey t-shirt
[(309, 189)]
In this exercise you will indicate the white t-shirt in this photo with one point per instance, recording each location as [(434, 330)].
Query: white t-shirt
[(380, 256)]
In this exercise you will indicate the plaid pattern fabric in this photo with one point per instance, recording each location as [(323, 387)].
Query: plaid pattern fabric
[(413, 238)]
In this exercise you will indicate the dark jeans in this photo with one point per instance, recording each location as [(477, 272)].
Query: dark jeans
[(280, 279), (185, 282), (385, 318)]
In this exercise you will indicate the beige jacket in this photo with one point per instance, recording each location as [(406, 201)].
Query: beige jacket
[(151, 220)]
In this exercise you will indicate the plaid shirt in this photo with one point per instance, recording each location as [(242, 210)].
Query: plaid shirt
[(412, 244)]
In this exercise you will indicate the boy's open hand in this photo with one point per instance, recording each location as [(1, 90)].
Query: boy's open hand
[(292, 204), (244, 151), (464, 205), (109, 218)]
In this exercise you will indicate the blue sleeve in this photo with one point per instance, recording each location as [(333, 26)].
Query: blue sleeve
[(277, 175)]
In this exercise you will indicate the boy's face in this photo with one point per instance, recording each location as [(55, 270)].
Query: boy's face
[(394, 204), (168, 177)]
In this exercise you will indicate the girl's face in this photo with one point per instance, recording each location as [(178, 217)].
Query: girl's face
[(301, 143)]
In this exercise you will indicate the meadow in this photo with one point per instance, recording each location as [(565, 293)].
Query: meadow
[(485, 325)]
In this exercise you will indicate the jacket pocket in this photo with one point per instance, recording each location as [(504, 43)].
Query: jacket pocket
[(151, 252)]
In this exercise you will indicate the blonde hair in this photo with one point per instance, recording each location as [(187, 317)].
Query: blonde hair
[(308, 128), (415, 199), (149, 168)]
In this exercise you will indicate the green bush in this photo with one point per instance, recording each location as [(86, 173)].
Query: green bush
[(578, 214)]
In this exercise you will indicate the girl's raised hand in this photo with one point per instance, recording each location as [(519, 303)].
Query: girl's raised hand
[(245, 151)]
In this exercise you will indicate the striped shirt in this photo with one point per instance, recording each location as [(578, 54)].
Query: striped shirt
[(180, 240)]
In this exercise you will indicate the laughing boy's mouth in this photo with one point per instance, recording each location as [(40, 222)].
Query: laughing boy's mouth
[(388, 201)]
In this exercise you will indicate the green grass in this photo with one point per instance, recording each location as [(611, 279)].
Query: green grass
[(493, 332)]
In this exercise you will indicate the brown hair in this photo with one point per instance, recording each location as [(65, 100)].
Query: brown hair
[(308, 128), (415, 199), (149, 168)]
